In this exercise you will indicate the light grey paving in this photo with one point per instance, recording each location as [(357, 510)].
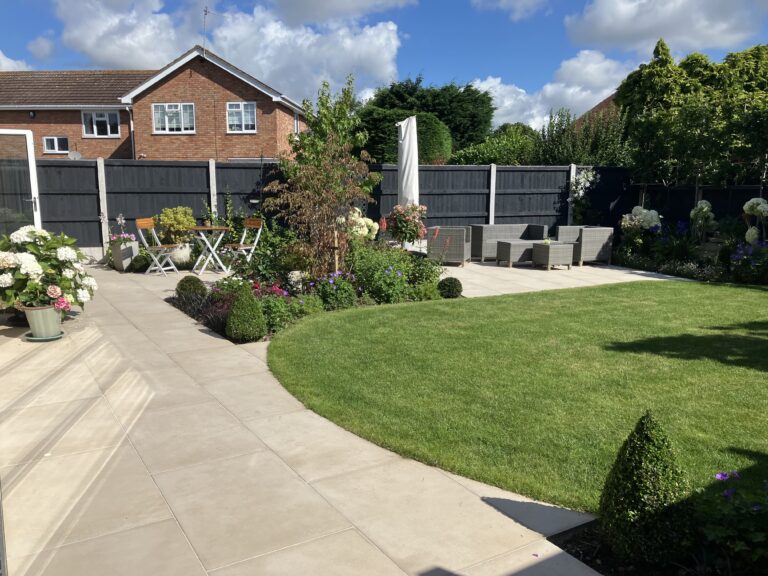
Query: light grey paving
[(250, 396)]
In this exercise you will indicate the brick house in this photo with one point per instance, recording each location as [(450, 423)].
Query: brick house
[(197, 107)]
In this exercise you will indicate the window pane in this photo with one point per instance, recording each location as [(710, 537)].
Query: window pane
[(63, 144), (48, 143), (189, 117), (235, 120), (88, 122), (114, 123), (100, 121), (159, 118), (249, 116), (174, 119)]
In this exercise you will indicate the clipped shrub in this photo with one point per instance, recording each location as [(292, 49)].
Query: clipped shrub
[(191, 285), (277, 312), (641, 515), (450, 287), (246, 322), (336, 291), (140, 263)]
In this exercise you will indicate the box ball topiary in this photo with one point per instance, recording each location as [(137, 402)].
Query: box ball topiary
[(449, 287), (246, 322), (191, 285), (140, 263), (642, 516)]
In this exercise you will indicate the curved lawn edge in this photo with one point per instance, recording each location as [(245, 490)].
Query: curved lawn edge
[(535, 392)]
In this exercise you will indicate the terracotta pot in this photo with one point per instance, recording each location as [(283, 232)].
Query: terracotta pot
[(45, 321)]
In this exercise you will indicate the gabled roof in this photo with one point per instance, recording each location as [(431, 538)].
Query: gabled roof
[(49, 89), (199, 51)]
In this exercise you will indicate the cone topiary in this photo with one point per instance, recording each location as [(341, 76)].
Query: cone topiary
[(641, 514), (449, 287), (246, 322)]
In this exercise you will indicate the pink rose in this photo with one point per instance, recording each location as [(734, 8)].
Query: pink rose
[(53, 291)]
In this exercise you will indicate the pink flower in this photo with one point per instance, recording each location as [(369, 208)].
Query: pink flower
[(62, 304), (53, 291)]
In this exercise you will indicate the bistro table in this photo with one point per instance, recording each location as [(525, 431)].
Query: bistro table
[(208, 238)]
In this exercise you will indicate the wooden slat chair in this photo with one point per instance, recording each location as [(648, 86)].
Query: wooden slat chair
[(160, 253), (244, 248)]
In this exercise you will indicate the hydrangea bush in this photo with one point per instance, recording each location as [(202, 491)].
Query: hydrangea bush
[(39, 269), (357, 226)]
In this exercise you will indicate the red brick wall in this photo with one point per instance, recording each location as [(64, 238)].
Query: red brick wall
[(68, 123), (209, 88)]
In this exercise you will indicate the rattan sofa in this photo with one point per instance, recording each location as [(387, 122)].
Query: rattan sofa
[(485, 237), (449, 244), (590, 243)]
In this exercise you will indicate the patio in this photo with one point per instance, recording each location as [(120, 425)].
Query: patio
[(142, 443)]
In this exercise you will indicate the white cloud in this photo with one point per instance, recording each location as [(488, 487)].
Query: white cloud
[(7, 63), (518, 9), (578, 84), (684, 24), (306, 11), (41, 47)]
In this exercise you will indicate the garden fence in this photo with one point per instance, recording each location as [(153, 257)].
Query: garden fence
[(675, 203), (83, 198)]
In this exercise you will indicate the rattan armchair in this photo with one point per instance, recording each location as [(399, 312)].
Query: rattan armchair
[(449, 244), (591, 243)]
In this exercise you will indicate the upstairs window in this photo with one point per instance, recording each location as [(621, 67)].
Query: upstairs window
[(101, 124), (173, 118), (241, 117), (55, 145), (296, 123)]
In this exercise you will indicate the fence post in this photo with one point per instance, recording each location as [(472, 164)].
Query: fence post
[(492, 196), (101, 177), (212, 186), (571, 180)]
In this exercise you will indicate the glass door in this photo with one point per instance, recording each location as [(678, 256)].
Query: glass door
[(19, 202)]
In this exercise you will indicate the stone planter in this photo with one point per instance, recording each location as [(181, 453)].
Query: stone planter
[(123, 254), (45, 322)]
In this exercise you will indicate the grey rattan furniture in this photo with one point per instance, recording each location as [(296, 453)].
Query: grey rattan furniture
[(552, 254), (449, 244), (590, 243), (513, 251), (486, 236)]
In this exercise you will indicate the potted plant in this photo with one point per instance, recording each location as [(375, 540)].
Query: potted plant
[(122, 246), (177, 224), (405, 224), (43, 276)]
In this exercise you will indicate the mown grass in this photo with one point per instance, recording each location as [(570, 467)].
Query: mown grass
[(535, 392)]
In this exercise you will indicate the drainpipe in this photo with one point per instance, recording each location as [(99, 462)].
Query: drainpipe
[(130, 130)]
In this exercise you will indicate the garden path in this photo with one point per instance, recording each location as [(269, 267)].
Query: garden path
[(141, 443)]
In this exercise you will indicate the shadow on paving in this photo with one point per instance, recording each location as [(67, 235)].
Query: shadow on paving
[(746, 350)]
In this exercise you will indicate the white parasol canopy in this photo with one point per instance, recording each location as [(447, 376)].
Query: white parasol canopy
[(407, 162)]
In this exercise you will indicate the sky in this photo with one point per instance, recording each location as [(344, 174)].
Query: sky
[(531, 55)]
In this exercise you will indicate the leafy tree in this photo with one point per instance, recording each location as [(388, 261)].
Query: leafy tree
[(433, 135), (509, 145)]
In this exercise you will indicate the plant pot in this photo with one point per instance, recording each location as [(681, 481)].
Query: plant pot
[(123, 254), (45, 321), (182, 254)]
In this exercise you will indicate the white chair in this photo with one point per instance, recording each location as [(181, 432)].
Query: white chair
[(160, 253), (244, 248)]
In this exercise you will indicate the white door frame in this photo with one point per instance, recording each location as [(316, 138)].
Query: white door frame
[(32, 172)]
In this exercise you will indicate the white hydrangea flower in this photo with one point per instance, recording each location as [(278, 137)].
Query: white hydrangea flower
[(66, 254), (753, 207), (68, 273), (752, 235), (23, 235), (83, 295), (29, 265), (90, 283), (8, 260), (6, 280)]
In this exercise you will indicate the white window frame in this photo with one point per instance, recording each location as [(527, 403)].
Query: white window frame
[(241, 106), (56, 149), (181, 132), (93, 114), (296, 123)]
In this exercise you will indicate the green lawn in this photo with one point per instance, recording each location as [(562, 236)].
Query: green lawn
[(535, 392)]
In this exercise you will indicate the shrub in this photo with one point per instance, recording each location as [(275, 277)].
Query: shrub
[(214, 311), (382, 272), (176, 223), (425, 291), (140, 262), (424, 270), (277, 312), (191, 285), (246, 322), (641, 516), (305, 305), (434, 136), (336, 291), (449, 287)]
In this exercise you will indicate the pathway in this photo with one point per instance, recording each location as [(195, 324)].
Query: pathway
[(143, 444)]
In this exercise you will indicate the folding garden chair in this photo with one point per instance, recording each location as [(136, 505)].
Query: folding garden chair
[(244, 248), (160, 253)]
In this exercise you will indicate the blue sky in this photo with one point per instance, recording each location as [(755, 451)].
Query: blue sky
[(532, 55)]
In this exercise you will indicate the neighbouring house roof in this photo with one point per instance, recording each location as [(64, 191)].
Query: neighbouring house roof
[(52, 89), (602, 105), (199, 51)]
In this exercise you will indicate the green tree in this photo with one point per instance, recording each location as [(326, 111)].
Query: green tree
[(433, 135), (509, 145)]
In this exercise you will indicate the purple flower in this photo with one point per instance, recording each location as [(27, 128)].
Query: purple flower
[(729, 492), (735, 475), (399, 273), (301, 302), (722, 476)]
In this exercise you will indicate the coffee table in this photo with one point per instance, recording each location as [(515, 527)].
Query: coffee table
[(552, 254)]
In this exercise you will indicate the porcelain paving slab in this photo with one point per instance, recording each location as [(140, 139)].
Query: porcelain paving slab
[(94, 493), (253, 395), (34, 386), (421, 518), (315, 447), (208, 365), (188, 435), (155, 550), (242, 507), (346, 553), (541, 558)]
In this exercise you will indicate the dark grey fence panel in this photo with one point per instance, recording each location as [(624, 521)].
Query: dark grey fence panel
[(532, 194), (610, 198), (244, 183), (69, 199), (138, 189), (675, 203), (730, 201)]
